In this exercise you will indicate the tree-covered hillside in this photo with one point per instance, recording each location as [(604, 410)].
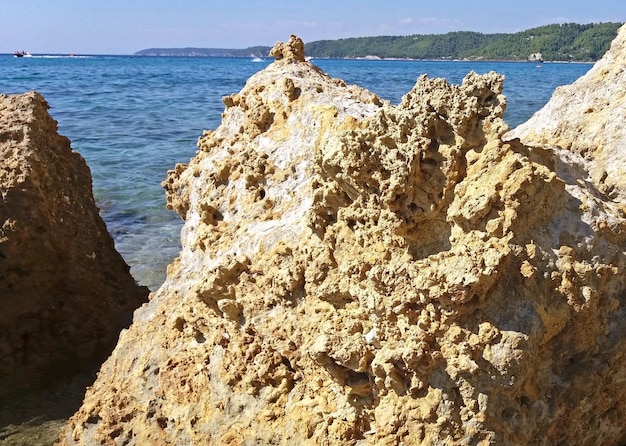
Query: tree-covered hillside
[(569, 42), (255, 51)]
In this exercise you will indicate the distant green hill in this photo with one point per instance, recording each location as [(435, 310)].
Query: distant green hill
[(568, 42), (255, 51), (565, 42)]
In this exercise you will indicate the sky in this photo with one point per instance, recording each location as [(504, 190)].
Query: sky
[(127, 26)]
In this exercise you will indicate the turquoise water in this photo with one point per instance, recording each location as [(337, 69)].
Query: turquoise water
[(133, 118)]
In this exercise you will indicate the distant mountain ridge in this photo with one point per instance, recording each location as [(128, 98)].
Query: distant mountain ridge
[(558, 42), (254, 51)]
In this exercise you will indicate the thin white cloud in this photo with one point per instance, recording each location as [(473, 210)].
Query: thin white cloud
[(297, 24), (427, 21), (559, 20), (436, 21)]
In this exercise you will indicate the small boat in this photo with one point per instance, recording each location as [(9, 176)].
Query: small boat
[(22, 54)]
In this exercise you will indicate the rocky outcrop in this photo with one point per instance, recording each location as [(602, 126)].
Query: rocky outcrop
[(64, 291), (354, 272), (585, 119)]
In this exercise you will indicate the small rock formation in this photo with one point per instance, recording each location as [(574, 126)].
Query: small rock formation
[(354, 272), (64, 291), (292, 51)]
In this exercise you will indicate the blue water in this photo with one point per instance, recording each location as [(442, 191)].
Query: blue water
[(134, 118)]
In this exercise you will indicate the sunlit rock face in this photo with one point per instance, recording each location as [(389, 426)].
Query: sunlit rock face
[(586, 119), (354, 272), (65, 292)]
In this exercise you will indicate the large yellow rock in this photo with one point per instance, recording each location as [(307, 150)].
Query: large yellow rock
[(354, 272)]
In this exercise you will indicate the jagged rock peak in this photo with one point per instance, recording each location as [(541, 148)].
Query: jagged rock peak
[(292, 51)]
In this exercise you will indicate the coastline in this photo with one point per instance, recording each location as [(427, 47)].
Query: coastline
[(309, 58), (407, 59)]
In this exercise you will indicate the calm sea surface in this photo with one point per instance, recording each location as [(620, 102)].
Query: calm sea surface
[(133, 118)]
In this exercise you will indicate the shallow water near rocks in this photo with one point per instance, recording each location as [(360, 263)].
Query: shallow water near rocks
[(133, 118), (37, 418)]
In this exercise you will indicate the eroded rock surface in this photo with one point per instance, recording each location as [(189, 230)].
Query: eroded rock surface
[(586, 120), (64, 291), (354, 272)]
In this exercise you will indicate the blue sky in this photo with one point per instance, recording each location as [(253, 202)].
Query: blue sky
[(126, 26)]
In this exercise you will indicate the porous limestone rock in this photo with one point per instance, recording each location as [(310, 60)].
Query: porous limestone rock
[(354, 272), (586, 120), (65, 292)]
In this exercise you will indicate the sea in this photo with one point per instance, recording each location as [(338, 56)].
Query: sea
[(133, 118)]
